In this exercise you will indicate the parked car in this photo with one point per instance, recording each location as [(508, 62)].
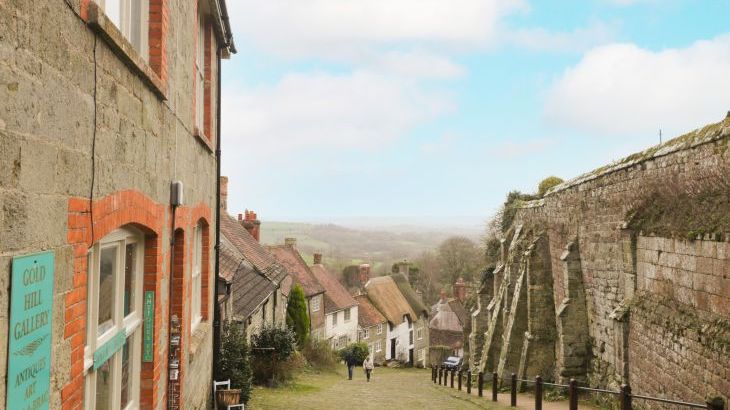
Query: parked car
[(452, 363)]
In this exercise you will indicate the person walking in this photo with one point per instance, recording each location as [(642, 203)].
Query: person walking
[(351, 363), (368, 366)]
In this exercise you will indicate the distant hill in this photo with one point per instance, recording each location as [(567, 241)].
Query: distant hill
[(342, 246)]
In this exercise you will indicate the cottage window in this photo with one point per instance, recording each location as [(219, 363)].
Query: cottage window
[(347, 315), (378, 346), (419, 333), (410, 337), (114, 311), (131, 18), (315, 304), (334, 319), (380, 329), (366, 333), (422, 354), (197, 291)]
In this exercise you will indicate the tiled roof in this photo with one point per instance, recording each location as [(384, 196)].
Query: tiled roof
[(252, 251), (387, 297), (461, 313), (249, 288), (413, 299), (297, 267), (336, 296), (445, 319), (367, 314)]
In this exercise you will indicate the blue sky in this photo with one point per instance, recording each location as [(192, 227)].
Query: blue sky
[(433, 109)]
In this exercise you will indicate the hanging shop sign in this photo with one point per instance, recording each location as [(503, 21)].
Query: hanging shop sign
[(29, 338)]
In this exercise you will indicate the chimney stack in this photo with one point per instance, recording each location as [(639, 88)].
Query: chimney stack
[(460, 290), (250, 221), (224, 193), (404, 268), (317, 258), (364, 274), (291, 242)]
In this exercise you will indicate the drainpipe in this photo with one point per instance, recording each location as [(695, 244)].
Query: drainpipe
[(216, 308)]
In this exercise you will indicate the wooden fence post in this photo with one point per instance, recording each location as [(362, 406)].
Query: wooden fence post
[(461, 374), (495, 385), (573, 395), (625, 397), (513, 390), (468, 382), (440, 372), (480, 383), (453, 371), (538, 393)]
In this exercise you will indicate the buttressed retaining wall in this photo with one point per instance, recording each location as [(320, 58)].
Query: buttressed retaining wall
[(620, 276)]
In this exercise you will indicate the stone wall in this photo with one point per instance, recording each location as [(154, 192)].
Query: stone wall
[(67, 95), (626, 306)]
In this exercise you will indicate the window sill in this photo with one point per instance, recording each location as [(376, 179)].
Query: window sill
[(121, 46), (198, 337), (205, 141)]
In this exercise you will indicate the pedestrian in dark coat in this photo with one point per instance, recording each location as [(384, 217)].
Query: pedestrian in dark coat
[(351, 363)]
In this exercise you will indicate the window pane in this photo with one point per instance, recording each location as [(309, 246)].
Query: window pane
[(130, 270), (104, 386), (107, 268), (113, 10), (135, 24), (126, 374)]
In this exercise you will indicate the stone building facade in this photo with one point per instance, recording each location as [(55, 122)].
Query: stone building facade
[(609, 280), (100, 111)]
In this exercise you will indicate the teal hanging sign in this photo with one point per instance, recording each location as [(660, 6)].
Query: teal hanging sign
[(148, 327), (29, 338), (107, 350)]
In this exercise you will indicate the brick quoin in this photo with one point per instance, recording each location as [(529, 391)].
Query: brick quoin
[(157, 37), (125, 208)]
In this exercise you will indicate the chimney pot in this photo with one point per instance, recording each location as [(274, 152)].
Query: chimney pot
[(364, 274), (317, 258), (240, 217), (290, 242), (224, 192)]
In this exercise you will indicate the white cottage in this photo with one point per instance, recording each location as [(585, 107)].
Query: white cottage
[(340, 308), (385, 295)]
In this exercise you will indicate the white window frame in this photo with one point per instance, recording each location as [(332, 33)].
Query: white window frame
[(366, 333), (419, 333), (378, 346), (131, 17), (421, 354), (130, 324), (380, 329), (334, 319), (196, 286), (315, 304), (347, 315), (200, 58)]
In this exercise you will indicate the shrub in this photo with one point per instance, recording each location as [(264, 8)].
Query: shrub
[(271, 348), (234, 360), (319, 354), (548, 183), (357, 351), (296, 315)]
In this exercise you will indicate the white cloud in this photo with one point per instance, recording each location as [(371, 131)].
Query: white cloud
[(578, 40), (621, 89), (416, 65), (516, 148), (321, 111), (344, 28)]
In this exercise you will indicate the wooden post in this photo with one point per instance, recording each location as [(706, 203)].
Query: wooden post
[(480, 384), (468, 382), (573, 395), (513, 390), (625, 397), (461, 374), (446, 377), (453, 373), (440, 372), (495, 385), (538, 393), (433, 373)]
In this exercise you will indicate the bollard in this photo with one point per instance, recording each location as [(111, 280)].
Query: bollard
[(513, 391), (468, 382), (453, 371), (538, 393), (716, 404), (625, 397), (480, 383), (461, 373), (573, 395), (433, 373), (495, 385), (440, 372), (446, 377)]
